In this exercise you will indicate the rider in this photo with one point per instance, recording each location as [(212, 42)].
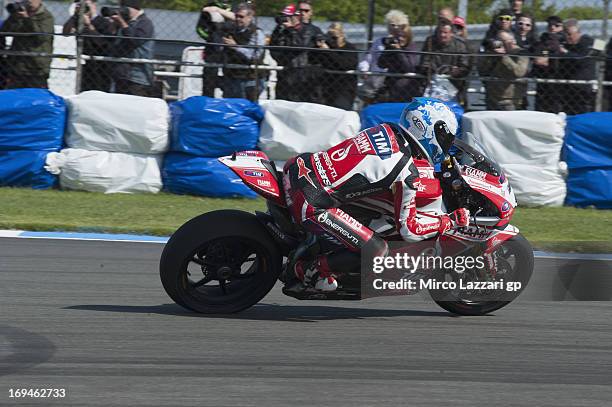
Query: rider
[(377, 159)]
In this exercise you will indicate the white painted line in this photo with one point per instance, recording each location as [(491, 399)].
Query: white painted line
[(124, 238)]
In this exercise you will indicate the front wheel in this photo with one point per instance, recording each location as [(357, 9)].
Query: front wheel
[(220, 262), (514, 260)]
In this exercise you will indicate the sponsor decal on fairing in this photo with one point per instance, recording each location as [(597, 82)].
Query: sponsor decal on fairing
[(251, 173), (475, 173)]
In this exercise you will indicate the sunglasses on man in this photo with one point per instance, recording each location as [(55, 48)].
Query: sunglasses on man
[(504, 18), (524, 24), (305, 10)]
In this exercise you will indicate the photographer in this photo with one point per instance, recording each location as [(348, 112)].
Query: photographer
[(548, 96), (292, 83), (96, 74), (338, 90), (216, 18), (29, 16), (399, 56), (243, 83), (131, 23), (502, 93)]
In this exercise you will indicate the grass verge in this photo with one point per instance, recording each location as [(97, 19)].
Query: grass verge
[(562, 229)]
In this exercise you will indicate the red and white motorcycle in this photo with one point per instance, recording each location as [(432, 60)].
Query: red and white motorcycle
[(228, 260)]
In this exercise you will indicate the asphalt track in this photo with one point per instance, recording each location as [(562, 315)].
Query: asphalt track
[(91, 317)]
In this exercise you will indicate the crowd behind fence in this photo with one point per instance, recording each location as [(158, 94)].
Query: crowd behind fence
[(562, 67)]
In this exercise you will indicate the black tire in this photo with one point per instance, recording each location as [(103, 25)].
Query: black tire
[(214, 235), (523, 269)]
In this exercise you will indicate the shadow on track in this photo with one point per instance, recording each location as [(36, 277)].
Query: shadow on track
[(270, 312), (25, 349)]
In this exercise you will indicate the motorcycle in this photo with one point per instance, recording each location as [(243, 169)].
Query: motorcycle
[(225, 261)]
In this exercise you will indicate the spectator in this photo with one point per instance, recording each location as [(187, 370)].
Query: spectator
[(289, 32), (214, 20), (548, 96), (338, 89), (523, 32), (502, 92), (373, 84), (516, 6), (460, 29), (446, 13), (502, 21), (311, 35), (243, 83), (306, 14), (549, 45), (96, 74), (577, 98), (133, 79), (445, 44), (399, 56), (29, 17)]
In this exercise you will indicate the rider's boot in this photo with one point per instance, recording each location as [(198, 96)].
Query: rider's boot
[(316, 273)]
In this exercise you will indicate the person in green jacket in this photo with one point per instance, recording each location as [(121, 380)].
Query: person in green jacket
[(30, 16)]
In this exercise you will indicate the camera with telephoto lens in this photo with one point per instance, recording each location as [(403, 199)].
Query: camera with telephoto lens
[(281, 19), (17, 6), (210, 26), (493, 44), (113, 11), (78, 4), (390, 41), (321, 37)]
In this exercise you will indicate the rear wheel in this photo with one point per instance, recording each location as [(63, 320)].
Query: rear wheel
[(220, 262), (514, 259)]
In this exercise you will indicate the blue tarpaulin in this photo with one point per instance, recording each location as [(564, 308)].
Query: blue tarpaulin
[(588, 153), (191, 175), (31, 119), (25, 169), (590, 187), (588, 141), (214, 127), (373, 115)]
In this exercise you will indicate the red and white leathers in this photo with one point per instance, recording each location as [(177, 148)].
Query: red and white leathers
[(375, 161)]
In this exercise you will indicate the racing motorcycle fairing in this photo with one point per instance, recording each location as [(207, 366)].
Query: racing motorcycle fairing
[(257, 172), (486, 177)]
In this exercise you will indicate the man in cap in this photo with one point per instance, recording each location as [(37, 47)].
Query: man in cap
[(292, 83), (132, 24)]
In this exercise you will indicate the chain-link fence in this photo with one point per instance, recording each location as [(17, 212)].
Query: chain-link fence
[(493, 57)]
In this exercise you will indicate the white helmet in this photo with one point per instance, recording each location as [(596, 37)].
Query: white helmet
[(432, 124)]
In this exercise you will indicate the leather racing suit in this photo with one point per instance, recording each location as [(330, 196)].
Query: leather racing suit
[(376, 160)]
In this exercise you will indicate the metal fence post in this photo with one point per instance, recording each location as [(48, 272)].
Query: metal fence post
[(462, 9), (601, 72), (604, 23), (371, 11)]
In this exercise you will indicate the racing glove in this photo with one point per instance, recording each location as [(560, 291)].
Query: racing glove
[(456, 219)]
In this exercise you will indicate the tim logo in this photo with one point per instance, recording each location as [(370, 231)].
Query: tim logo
[(381, 142), (258, 174)]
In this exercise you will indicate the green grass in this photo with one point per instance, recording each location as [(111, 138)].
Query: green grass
[(566, 229)]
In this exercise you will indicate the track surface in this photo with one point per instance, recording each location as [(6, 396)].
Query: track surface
[(92, 317)]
